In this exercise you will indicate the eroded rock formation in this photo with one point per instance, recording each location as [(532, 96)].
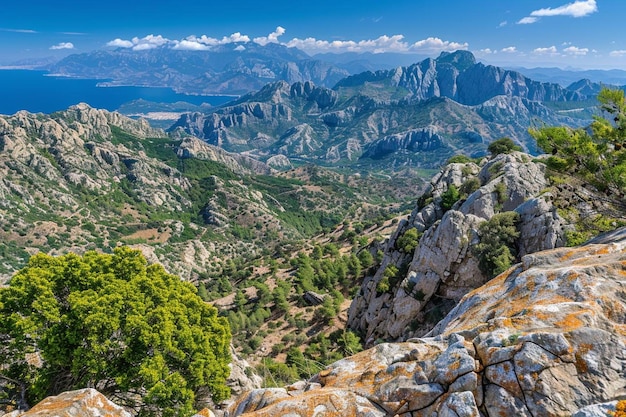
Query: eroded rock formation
[(546, 338)]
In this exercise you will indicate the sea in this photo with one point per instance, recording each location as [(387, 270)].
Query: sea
[(38, 92)]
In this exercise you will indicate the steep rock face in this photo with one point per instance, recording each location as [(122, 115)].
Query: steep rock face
[(416, 140), (442, 267), (458, 76), (546, 338)]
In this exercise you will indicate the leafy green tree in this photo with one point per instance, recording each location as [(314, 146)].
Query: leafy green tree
[(503, 145), (138, 334)]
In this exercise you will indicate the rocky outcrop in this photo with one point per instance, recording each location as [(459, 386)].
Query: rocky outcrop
[(191, 147), (442, 268), (416, 140), (81, 403), (546, 338)]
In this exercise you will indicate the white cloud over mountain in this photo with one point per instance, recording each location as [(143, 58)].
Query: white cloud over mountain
[(271, 38), (574, 50), (384, 43), (62, 45), (551, 50)]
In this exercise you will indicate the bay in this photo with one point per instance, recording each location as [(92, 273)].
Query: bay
[(37, 92)]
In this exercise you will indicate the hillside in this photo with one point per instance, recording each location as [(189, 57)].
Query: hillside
[(416, 116), (89, 179)]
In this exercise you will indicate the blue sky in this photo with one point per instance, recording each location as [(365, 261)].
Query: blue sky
[(578, 34)]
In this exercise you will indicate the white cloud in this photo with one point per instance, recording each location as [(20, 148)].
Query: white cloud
[(63, 45), (436, 45), (618, 53), (576, 9), (120, 43), (240, 48), (527, 20), (574, 50), (271, 38), (140, 44), (503, 24), (381, 44), (384, 43), (551, 50), (487, 51), (18, 30), (509, 50), (149, 42), (191, 45)]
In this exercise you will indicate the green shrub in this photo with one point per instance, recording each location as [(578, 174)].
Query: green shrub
[(449, 197), (469, 186), (458, 159), (496, 250), (502, 145), (408, 241)]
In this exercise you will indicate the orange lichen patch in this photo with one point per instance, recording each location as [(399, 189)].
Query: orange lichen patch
[(205, 413), (572, 275), (552, 276), (621, 329), (612, 308), (86, 398), (580, 362), (571, 321), (570, 253), (603, 250)]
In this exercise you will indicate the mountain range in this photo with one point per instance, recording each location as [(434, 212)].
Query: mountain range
[(415, 116), (224, 70)]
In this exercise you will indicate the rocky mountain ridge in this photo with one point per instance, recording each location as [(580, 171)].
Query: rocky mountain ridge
[(459, 77), (371, 124)]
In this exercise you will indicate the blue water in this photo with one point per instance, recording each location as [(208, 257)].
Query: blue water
[(35, 92)]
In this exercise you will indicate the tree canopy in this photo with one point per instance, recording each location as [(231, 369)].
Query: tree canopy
[(597, 153), (139, 335)]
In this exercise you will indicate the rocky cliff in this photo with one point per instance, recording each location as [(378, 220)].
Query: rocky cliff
[(459, 77), (546, 338), (416, 285)]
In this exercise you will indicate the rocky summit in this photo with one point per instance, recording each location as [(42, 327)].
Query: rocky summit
[(545, 338)]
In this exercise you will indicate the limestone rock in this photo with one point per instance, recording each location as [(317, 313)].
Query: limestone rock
[(82, 403), (443, 267), (546, 338)]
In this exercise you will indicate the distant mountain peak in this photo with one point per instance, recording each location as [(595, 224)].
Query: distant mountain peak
[(461, 60)]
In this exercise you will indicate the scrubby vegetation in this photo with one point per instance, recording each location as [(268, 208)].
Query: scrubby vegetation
[(596, 154)]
